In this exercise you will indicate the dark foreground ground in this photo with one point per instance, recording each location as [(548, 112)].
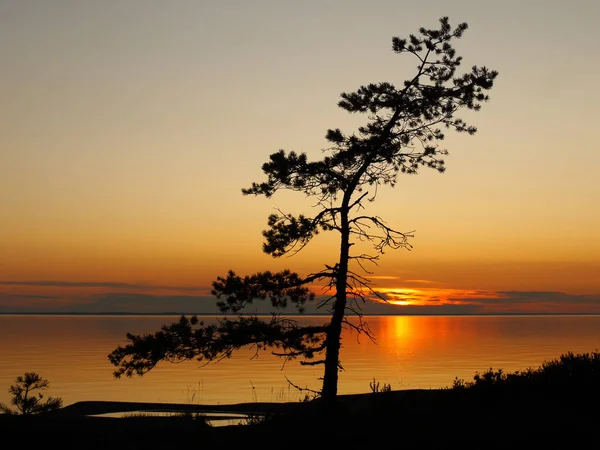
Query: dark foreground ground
[(431, 419)]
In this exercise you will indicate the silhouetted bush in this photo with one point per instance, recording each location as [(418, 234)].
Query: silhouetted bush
[(580, 371)]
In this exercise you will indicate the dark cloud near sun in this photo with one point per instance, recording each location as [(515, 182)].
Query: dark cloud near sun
[(457, 301), (435, 309)]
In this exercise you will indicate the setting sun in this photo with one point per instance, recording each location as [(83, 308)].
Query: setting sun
[(402, 296)]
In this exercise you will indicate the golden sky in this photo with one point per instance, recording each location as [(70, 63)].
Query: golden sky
[(128, 129)]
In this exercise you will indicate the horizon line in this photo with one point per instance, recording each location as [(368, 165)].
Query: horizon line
[(207, 314)]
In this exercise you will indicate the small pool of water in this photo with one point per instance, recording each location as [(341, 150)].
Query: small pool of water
[(214, 419)]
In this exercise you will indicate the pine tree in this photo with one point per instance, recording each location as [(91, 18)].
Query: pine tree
[(403, 131), (27, 397)]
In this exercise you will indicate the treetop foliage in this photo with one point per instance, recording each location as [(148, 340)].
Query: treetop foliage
[(404, 123)]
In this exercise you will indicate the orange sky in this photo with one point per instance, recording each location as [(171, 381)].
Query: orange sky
[(128, 130)]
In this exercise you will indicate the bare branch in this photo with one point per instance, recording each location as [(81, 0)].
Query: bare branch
[(301, 389)]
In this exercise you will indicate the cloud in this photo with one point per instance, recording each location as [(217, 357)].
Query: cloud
[(111, 303), (102, 284), (26, 297), (539, 301), (15, 303), (491, 302), (135, 303), (421, 281), (536, 296)]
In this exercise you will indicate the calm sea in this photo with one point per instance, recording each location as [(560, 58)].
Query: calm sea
[(410, 352)]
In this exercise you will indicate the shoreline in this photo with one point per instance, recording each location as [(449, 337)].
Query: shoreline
[(101, 407)]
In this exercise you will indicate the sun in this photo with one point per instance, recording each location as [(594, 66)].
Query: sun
[(401, 296), (399, 302)]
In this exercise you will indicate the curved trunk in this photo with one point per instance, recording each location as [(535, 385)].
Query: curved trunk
[(334, 334)]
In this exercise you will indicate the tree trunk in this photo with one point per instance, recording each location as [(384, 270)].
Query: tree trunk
[(334, 334)]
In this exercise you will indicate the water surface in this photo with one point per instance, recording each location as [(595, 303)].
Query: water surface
[(410, 352)]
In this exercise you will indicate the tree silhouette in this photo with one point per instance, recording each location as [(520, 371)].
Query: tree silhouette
[(25, 400), (403, 129)]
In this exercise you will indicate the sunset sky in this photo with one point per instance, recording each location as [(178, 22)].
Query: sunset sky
[(128, 129)]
